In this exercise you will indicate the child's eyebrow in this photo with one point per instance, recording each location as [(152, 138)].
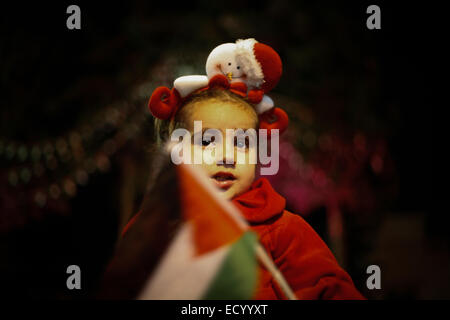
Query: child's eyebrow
[(204, 129), (234, 128), (238, 133)]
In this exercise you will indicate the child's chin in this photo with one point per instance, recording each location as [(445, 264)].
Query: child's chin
[(227, 194), (232, 192)]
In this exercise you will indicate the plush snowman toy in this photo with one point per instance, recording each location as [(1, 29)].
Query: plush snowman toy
[(247, 62), (224, 60)]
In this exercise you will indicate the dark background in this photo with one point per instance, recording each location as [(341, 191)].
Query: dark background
[(339, 79)]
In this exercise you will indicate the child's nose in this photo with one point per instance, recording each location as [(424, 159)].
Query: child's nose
[(228, 157), (226, 165)]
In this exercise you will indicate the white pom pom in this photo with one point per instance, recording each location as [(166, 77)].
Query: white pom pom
[(265, 104)]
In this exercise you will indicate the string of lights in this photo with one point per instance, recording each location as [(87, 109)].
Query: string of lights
[(61, 165)]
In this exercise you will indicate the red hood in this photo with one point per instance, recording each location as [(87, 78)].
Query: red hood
[(261, 202)]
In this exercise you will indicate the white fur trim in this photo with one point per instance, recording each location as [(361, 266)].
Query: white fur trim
[(265, 104), (188, 84), (245, 56)]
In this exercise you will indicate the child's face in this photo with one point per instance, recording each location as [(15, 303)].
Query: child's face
[(231, 179)]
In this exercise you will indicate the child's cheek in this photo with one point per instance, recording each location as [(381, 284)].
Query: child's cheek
[(209, 155), (203, 155), (246, 173)]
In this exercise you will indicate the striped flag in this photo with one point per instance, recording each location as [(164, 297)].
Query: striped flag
[(212, 255), (187, 243)]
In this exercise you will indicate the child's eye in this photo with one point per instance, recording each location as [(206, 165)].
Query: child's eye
[(241, 143), (207, 141)]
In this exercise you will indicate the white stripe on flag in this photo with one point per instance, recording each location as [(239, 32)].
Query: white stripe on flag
[(180, 275)]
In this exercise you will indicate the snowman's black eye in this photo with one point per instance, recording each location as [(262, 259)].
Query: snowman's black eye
[(229, 63), (238, 67)]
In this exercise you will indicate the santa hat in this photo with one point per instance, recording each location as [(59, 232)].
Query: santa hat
[(261, 63)]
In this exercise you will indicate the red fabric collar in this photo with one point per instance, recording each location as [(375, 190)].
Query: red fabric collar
[(261, 202)]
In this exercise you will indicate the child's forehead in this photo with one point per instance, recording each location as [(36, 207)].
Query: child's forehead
[(222, 115), (234, 130)]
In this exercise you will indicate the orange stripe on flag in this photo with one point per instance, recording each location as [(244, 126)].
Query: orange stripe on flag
[(213, 227)]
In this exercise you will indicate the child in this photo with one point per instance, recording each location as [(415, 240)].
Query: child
[(302, 257)]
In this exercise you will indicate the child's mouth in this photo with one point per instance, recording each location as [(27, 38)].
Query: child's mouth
[(223, 180)]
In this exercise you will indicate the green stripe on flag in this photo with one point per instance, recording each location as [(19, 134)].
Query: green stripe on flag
[(237, 277)]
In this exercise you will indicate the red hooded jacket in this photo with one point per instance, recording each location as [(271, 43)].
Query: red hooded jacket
[(300, 254)]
